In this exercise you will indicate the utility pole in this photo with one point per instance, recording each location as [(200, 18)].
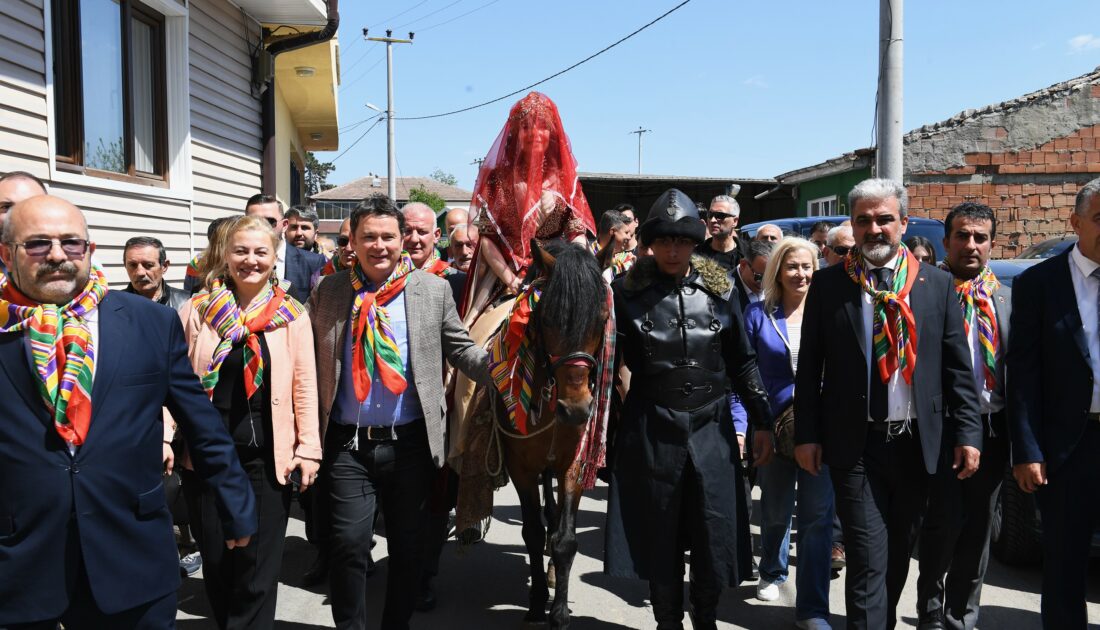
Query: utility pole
[(640, 131), (889, 154), (477, 161), (391, 152)]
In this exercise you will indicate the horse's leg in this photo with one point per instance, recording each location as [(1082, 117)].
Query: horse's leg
[(550, 518), (564, 546), (534, 537)]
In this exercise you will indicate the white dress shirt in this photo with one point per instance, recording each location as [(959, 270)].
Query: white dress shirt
[(280, 259), (899, 402), (1086, 289)]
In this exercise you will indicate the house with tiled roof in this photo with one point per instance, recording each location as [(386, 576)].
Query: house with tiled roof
[(336, 204), (1025, 158)]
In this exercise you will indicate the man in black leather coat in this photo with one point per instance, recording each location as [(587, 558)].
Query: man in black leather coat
[(675, 475)]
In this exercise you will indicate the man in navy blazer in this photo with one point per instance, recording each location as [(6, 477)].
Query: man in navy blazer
[(85, 532), (299, 267), (1054, 407)]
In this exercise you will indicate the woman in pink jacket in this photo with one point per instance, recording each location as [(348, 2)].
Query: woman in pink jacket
[(252, 346)]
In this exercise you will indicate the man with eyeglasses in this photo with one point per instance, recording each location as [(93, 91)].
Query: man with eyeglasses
[(749, 278), (86, 530), (344, 257), (838, 243), (721, 221), (300, 267), (15, 187)]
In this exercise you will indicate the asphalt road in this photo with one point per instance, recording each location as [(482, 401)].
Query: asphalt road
[(486, 588)]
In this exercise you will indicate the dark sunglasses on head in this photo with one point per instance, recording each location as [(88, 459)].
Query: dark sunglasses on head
[(342, 241), (36, 247), (272, 221), (719, 216), (840, 250)]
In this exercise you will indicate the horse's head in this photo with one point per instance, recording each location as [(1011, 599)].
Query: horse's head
[(571, 315)]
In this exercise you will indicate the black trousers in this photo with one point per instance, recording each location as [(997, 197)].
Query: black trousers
[(1070, 508), (444, 499), (242, 584), (705, 590), (398, 476), (879, 502), (954, 538)]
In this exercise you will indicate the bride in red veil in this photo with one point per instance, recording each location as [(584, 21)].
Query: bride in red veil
[(527, 187)]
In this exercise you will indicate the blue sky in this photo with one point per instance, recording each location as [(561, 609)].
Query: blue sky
[(737, 89)]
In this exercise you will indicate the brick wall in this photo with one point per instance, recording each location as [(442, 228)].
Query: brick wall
[(1031, 191)]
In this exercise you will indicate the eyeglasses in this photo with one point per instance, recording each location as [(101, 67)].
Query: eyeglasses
[(719, 216), (757, 277), (342, 241), (39, 247), (840, 250)]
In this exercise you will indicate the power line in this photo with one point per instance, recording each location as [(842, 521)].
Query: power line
[(426, 15), (392, 17), (553, 76), (363, 135), (428, 28), (363, 74)]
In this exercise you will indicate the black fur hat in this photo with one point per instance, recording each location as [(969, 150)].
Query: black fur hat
[(673, 214)]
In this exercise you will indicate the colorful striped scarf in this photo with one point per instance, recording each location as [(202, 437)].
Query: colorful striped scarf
[(372, 331), (894, 329), (512, 361), (193, 267), (622, 262), (976, 297), (592, 449), (270, 310), (437, 266), (62, 348)]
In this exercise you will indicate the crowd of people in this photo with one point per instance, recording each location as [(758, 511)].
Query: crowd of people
[(868, 390)]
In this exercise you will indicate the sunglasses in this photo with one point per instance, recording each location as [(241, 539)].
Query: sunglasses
[(40, 247), (757, 277), (342, 241), (272, 221), (719, 216), (840, 250)]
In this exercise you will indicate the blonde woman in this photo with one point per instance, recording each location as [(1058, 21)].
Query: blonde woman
[(774, 328), (252, 346)]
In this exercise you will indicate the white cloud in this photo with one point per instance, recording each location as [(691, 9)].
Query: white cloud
[(755, 82), (1081, 43)]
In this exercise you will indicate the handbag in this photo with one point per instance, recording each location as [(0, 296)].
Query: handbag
[(784, 422)]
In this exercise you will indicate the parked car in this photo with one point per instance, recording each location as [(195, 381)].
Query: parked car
[(930, 229), (1049, 248)]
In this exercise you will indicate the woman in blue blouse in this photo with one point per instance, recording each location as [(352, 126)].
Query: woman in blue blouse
[(774, 327)]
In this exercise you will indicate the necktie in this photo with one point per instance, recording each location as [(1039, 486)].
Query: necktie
[(879, 407)]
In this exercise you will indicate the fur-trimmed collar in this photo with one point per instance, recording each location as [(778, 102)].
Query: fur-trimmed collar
[(708, 274)]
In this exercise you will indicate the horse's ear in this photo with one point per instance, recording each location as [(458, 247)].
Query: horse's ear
[(548, 261)]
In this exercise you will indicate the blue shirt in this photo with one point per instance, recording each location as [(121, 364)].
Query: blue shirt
[(382, 407)]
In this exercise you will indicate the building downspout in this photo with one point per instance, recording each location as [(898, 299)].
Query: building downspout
[(267, 111)]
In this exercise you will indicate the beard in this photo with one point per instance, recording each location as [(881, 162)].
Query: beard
[(878, 250)]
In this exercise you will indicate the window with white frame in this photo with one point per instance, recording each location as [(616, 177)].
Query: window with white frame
[(822, 207)]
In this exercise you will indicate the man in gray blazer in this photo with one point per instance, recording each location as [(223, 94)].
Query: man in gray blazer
[(955, 536), (382, 406)]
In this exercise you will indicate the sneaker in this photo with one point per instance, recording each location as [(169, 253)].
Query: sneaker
[(767, 591), (190, 564), (815, 623)]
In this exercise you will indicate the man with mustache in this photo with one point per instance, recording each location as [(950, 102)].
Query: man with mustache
[(461, 248), (146, 262), (84, 374), (884, 355)]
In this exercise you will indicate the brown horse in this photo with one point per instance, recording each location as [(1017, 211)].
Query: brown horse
[(568, 323)]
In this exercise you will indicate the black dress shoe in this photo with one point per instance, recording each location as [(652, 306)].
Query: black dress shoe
[(317, 573), (932, 621), (425, 601)]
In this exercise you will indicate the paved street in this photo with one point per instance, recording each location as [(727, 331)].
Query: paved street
[(487, 587)]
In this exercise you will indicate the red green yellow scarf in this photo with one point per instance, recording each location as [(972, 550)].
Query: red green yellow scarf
[(270, 310), (437, 266), (976, 297), (373, 342), (62, 348), (511, 360), (894, 329)]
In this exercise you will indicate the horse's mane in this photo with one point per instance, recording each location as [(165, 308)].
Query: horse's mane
[(573, 300)]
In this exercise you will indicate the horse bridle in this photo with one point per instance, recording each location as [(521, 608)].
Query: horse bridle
[(553, 362)]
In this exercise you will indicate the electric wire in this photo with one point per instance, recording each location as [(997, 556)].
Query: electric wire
[(363, 135)]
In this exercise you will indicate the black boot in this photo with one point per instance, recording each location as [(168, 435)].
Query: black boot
[(668, 605)]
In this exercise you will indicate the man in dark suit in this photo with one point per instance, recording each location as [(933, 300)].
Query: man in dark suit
[(748, 275), (872, 406), (1054, 407), (84, 528), (955, 534), (300, 267)]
